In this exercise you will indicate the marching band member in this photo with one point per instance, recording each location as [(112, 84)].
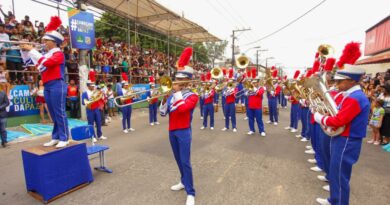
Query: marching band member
[(305, 114), (152, 102), (91, 99), (255, 101), (201, 99), (180, 106), (239, 78), (353, 112), (230, 99), (52, 68), (272, 95), (283, 101), (208, 97), (127, 110), (294, 108), (248, 75)]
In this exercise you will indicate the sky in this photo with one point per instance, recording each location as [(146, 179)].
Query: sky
[(335, 22)]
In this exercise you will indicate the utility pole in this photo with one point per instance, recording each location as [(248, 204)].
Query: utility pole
[(233, 42), (257, 58), (83, 68)]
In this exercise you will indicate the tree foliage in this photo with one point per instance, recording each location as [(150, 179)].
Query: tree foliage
[(215, 50), (114, 27)]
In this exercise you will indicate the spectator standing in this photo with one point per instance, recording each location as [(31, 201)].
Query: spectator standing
[(13, 60), (4, 102), (376, 121), (40, 100), (73, 99), (385, 128)]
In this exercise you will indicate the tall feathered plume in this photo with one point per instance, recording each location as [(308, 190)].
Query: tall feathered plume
[(124, 77), (274, 73), (249, 73), (296, 74), (185, 58), (351, 54), (254, 72), (231, 73), (273, 68), (224, 71), (202, 77), (329, 64), (208, 76), (285, 77), (316, 66), (309, 73), (54, 23)]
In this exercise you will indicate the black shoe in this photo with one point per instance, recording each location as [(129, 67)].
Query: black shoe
[(4, 144)]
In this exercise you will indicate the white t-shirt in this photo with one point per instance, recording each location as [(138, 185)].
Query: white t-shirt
[(3, 37)]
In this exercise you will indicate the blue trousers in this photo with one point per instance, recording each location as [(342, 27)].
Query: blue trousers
[(230, 111), (240, 98), (246, 106), (3, 131), (216, 98), (208, 110), (299, 112), (273, 109), (223, 106), (55, 96), (153, 112), (201, 105), (283, 100), (258, 115), (325, 151), (345, 153), (126, 117), (94, 116), (305, 118), (181, 148), (316, 144), (294, 116)]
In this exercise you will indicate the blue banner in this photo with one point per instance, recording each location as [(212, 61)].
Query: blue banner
[(82, 30), (21, 102), (141, 87)]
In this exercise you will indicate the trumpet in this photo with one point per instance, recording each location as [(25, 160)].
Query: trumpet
[(96, 96), (37, 45)]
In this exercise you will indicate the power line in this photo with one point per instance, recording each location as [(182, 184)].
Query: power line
[(287, 25)]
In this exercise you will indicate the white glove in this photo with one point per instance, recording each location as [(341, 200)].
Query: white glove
[(272, 92), (287, 97), (265, 88), (318, 118)]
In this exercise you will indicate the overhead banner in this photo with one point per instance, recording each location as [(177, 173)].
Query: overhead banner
[(21, 102), (82, 30)]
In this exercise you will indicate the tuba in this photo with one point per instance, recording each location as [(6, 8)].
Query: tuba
[(95, 97), (321, 101), (242, 61), (216, 74)]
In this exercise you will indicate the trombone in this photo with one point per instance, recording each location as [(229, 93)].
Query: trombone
[(165, 88)]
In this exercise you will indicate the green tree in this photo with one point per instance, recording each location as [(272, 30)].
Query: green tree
[(215, 50)]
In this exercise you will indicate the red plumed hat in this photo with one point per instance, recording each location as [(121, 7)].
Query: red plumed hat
[(231, 71), (254, 73), (185, 58), (351, 54), (329, 64), (296, 74), (273, 68), (208, 76), (151, 80), (249, 73), (317, 55), (285, 77), (92, 75), (124, 77), (308, 73), (316, 66), (202, 77), (54, 24), (274, 73), (224, 71)]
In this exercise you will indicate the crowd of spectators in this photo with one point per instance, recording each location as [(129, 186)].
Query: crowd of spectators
[(377, 89)]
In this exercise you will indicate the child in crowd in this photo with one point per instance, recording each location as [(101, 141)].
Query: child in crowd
[(376, 121)]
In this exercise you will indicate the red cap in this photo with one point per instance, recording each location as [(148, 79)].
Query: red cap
[(208, 76), (275, 73), (92, 75), (254, 72)]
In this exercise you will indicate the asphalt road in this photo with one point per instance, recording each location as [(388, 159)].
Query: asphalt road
[(229, 168)]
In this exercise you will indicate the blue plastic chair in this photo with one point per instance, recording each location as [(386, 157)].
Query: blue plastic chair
[(87, 132)]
